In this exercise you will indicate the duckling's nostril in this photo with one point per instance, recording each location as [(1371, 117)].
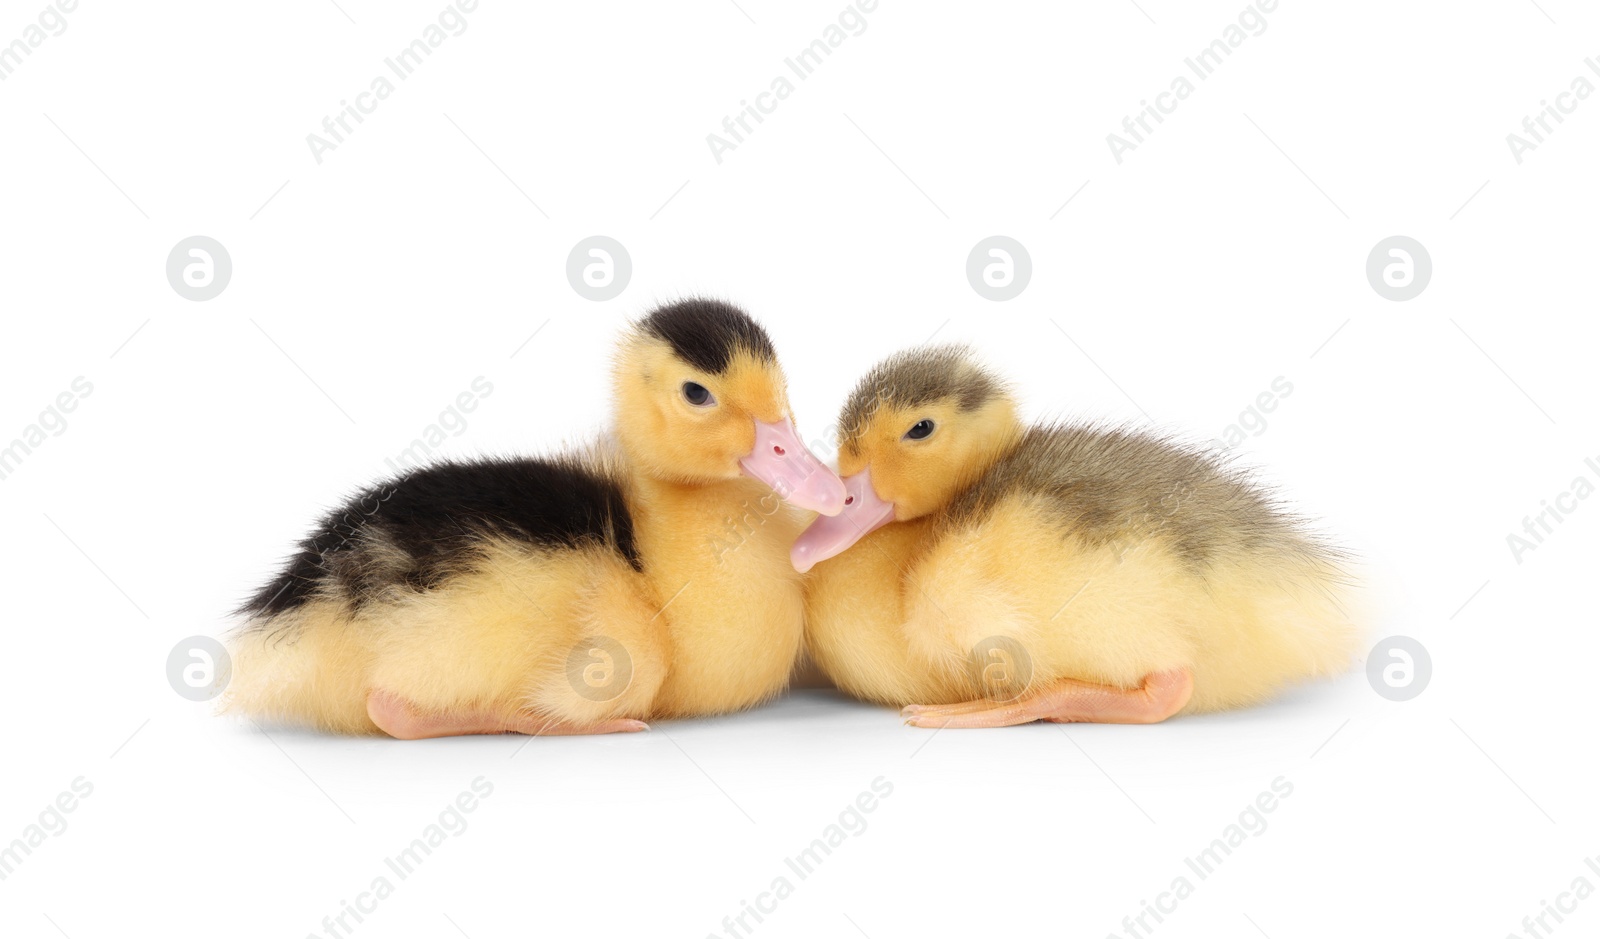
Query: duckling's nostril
[(777, 449), (848, 500)]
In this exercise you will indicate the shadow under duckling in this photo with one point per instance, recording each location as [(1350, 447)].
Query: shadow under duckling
[(582, 593), (999, 574)]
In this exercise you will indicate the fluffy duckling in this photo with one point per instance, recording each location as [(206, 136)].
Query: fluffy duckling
[(582, 593), (1006, 574)]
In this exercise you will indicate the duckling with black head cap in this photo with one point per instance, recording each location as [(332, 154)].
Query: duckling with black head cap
[(998, 574), (582, 593)]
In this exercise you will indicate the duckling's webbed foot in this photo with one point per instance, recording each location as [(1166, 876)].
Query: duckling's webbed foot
[(398, 718), (1068, 701)]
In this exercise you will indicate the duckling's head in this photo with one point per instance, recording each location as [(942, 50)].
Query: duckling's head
[(918, 429), (700, 397)]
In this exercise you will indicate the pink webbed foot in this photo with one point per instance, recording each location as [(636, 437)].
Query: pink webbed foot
[(1162, 695), (398, 718)]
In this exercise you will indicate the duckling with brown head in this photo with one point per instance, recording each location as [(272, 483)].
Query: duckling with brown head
[(581, 593), (998, 574)]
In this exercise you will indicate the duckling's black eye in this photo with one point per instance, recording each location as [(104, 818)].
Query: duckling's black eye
[(697, 395), (920, 429)]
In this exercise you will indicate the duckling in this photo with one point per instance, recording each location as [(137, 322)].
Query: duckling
[(1003, 574), (643, 577)]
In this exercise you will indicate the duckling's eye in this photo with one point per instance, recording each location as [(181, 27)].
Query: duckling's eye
[(920, 430), (697, 395)]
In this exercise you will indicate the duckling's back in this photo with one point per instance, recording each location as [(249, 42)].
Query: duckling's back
[(416, 531), (1110, 484)]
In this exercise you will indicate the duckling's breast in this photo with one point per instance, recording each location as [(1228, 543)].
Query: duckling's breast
[(856, 605), (718, 559)]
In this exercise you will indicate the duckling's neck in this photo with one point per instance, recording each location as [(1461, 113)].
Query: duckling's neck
[(1001, 445), (705, 517)]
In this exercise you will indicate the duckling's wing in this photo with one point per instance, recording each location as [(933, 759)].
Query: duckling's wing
[(416, 531), (1107, 483)]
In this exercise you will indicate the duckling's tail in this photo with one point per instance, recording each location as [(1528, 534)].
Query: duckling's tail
[(305, 667), (1294, 618)]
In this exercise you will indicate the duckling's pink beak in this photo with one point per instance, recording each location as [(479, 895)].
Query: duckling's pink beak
[(781, 461), (863, 512)]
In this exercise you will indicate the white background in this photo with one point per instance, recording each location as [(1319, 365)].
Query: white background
[(371, 289)]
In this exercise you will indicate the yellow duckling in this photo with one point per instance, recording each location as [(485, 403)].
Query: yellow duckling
[(583, 593), (1006, 574)]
